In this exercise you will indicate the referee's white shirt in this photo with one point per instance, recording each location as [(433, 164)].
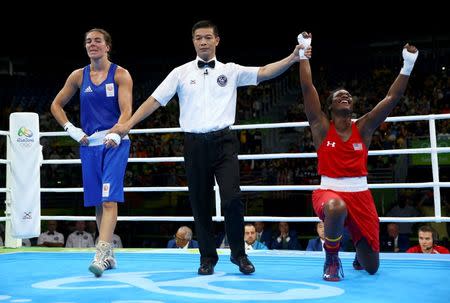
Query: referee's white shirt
[(207, 95)]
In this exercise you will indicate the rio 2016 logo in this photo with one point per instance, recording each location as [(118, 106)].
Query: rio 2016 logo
[(24, 132), (25, 138)]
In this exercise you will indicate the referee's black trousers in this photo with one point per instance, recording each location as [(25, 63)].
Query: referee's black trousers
[(208, 155)]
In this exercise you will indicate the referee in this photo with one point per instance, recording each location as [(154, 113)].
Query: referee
[(207, 91)]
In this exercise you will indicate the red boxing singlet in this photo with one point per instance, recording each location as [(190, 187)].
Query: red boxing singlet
[(337, 159)]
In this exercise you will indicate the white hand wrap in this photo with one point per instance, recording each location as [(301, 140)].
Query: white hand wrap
[(76, 133), (306, 42), (408, 61), (114, 137)]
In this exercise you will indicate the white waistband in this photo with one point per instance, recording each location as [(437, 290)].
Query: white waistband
[(353, 184), (98, 137)]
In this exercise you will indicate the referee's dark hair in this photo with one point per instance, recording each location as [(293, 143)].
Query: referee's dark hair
[(205, 24)]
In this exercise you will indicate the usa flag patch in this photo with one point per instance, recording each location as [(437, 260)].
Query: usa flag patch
[(357, 146)]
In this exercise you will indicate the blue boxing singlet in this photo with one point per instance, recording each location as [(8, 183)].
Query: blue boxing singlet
[(99, 104)]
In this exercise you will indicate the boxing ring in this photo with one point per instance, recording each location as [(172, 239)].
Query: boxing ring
[(170, 275), (164, 275)]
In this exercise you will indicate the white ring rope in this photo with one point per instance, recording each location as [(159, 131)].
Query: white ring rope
[(247, 187), (221, 219), (258, 126), (386, 152), (433, 150)]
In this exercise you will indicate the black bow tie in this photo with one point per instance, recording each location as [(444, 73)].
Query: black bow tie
[(202, 64), (50, 233), (79, 233)]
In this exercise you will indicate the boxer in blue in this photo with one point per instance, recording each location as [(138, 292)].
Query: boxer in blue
[(105, 99)]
